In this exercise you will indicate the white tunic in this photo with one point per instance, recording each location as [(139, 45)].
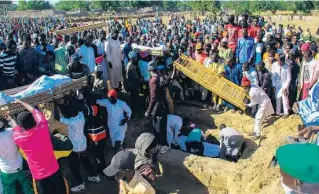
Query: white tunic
[(115, 115), (10, 158), (114, 55), (88, 57), (260, 98), (100, 51), (174, 126), (76, 131), (281, 77)]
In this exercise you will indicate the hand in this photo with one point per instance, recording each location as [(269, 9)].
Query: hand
[(306, 132), (285, 92), (110, 65), (7, 116), (17, 101), (249, 61), (295, 107), (246, 105), (147, 115), (123, 121)]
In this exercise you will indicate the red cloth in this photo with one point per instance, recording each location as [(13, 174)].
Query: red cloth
[(232, 32), (197, 34), (112, 93), (254, 30), (245, 82), (305, 90), (99, 59), (200, 57), (251, 32), (305, 47)]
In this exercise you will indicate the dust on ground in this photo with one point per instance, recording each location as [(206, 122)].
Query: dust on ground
[(252, 173), (186, 173)]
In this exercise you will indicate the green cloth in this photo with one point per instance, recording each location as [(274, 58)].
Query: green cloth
[(9, 182), (194, 136), (60, 61), (225, 53), (300, 161)]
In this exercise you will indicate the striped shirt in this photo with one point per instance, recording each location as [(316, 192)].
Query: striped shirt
[(8, 63)]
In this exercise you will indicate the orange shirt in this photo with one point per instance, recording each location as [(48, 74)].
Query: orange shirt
[(200, 57), (265, 56)]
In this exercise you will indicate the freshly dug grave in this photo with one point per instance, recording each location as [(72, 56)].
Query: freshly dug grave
[(251, 174), (189, 174)]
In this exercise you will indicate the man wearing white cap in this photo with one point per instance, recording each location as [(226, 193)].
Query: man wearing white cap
[(224, 52)]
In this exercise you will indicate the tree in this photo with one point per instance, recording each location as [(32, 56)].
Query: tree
[(204, 5), (72, 5), (169, 5), (239, 7), (34, 5)]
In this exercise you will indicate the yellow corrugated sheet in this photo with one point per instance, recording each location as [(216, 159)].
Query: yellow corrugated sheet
[(214, 83)]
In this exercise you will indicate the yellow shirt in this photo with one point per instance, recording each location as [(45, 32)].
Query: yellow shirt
[(217, 68), (266, 55), (138, 185)]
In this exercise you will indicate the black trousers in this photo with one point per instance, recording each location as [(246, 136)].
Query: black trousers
[(198, 146), (74, 164), (161, 136), (96, 155), (134, 100), (53, 184)]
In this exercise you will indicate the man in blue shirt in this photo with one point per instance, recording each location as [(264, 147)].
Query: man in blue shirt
[(245, 50), (259, 50), (43, 47), (234, 73)]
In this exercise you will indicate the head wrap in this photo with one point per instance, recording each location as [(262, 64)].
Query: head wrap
[(245, 82), (112, 93), (305, 47)]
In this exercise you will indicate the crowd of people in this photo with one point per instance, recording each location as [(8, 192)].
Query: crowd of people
[(277, 67)]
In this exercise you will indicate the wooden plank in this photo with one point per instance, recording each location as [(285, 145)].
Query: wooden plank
[(45, 96), (218, 85), (79, 29)]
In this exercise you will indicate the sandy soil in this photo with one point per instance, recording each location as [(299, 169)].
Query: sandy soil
[(188, 174), (252, 173)]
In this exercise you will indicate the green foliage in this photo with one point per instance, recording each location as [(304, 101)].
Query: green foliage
[(72, 5), (238, 7), (34, 5)]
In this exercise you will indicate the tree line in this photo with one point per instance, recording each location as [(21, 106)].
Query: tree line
[(179, 5)]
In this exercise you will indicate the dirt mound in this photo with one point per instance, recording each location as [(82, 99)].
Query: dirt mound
[(252, 173)]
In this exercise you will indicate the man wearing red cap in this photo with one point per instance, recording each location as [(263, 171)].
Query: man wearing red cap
[(118, 115), (260, 98)]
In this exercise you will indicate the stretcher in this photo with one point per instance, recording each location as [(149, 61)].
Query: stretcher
[(79, 29), (42, 97), (220, 86), (157, 51)]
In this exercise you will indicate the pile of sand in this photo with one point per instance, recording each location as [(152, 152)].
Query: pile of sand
[(252, 173)]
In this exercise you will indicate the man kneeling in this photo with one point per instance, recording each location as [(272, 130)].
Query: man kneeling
[(231, 143)]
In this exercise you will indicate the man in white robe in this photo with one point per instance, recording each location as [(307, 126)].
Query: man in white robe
[(118, 115), (87, 53), (100, 44), (114, 59), (260, 98), (281, 77)]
